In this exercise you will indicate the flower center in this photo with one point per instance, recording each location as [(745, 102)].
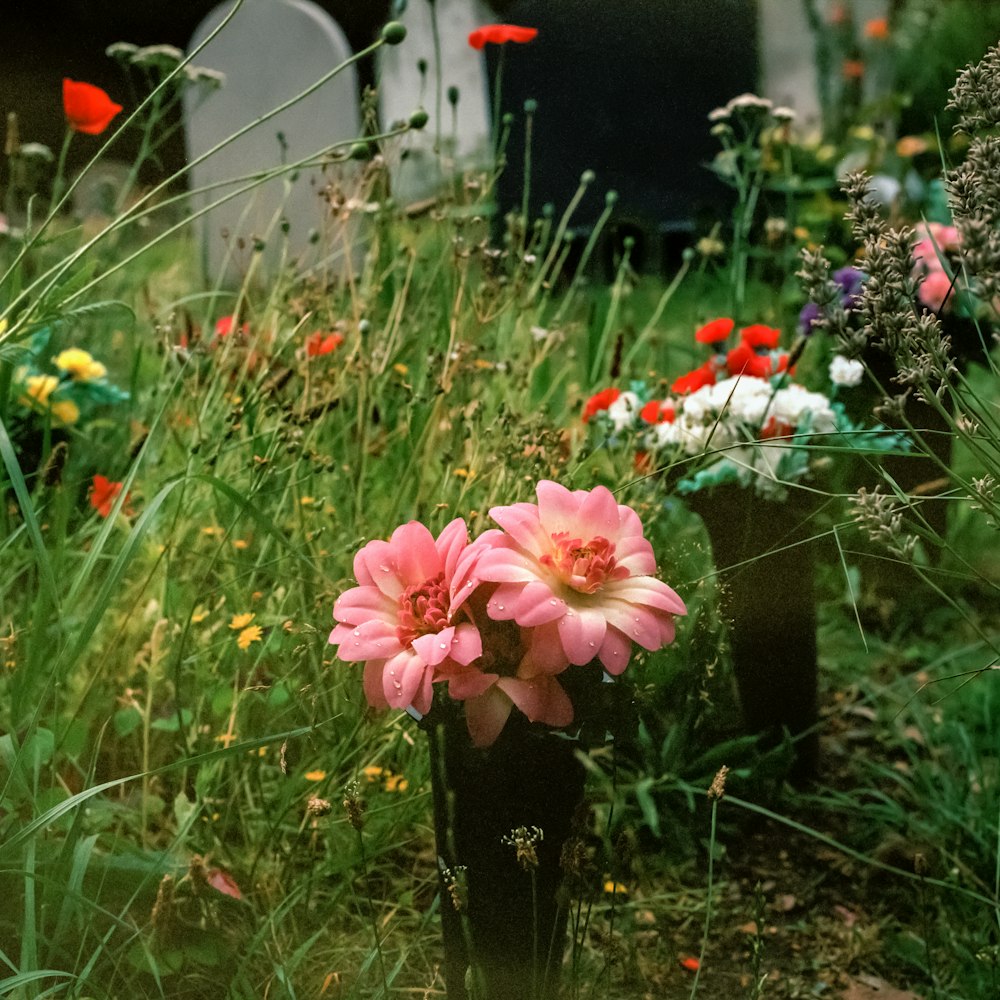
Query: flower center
[(584, 567), (423, 609)]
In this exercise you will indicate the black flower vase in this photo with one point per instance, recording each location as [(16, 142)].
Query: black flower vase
[(766, 564), (503, 926)]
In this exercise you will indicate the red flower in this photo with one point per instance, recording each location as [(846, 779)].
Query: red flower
[(877, 28), (712, 333), (689, 962), (500, 34), (760, 335), (319, 343), (224, 326), (103, 494), (697, 379), (88, 108), (656, 412), (775, 428), (853, 69), (743, 360), (599, 401)]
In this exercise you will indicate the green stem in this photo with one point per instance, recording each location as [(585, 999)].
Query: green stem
[(371, 910), (60, 179), (708, 901)]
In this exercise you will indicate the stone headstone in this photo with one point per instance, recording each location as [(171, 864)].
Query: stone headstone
[(462, 134), (270, 51), (626, 95)]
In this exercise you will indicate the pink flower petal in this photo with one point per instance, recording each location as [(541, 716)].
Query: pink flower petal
[(505, 565), (599, 512), (536, 605), (434, 647), (636, 554), (643, 625), (646, 590), (407, 671), (486, 715), (616, 651), (520, 521), (380, 565), (501, 605), (370, 640), (415, 552), (558, 507), (358, 604), (545, 652), (541, 699), (450, 545), (469, 683), (373, 684), (581, 633), (466, 644)]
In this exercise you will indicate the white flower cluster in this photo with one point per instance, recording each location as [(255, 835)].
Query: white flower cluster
[(750, 423), (846, 372)]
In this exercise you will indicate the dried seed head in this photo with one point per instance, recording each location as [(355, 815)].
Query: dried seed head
[(718, 787), (354, 805), (523, 839), (318, 807)]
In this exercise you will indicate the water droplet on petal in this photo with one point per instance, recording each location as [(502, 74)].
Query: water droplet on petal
[(384, 568), (357, 631), (397, 685), (500, 607), (443, 645), (553, 602), (592, 644)]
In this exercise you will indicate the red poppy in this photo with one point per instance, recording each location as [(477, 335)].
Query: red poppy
[(743, 360), (599, 401), (88, 108), (775, 428), (877, 28), (760, 335), (712, 333), (103, 494), (500, 34), (224, 326), (319, 343), (656, 412), (853, 69), (697, 379), (690, 963), (220, 880)]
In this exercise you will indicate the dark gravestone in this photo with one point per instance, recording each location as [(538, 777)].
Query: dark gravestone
[(45, 40), (625, 89)]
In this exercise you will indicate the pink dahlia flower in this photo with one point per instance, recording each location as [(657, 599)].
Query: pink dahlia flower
[(399, 621), (577, 571), (504, 676)]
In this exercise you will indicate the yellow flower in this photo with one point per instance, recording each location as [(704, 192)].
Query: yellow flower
[(240, 544), (396, 783), (199, 616), (400, 369), (38, 388), (241, 621), (213, 530), (65, 412), (615, 888), (373, 772), (253, 633), (79, 364), (316, 775)]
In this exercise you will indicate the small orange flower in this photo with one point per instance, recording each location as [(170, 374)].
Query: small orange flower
[(853, 69), (241, 621), (877, 29), (103, 494), (690, 963), (500, 34), (88, 108)]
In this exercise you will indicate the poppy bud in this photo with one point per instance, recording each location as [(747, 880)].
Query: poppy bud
[(453, 96), (507, 120), (418, 119), (530, 106), (611, 198), (393, 33), (588, 177), (360, 151)]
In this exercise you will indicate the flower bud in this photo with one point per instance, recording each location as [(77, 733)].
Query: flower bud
[(393, 33), (418, 119)]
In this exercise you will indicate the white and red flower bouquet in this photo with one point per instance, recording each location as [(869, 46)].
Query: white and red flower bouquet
[(740, 418), (499, 621)]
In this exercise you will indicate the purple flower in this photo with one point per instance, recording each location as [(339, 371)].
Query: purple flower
[(808, 317), (849, 280)]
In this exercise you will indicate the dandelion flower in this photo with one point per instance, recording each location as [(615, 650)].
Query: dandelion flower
[(251, 634), (79, 365), (241, 621)]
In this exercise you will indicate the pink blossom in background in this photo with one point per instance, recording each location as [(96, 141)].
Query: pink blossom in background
[(936, 290), (577, 571), (399, 621)]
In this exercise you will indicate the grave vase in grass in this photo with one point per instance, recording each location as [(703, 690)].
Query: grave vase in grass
[(766, 564), (500, 648), (501, 817)]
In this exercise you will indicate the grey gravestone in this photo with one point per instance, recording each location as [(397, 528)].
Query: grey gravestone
[(627, 95), (269, 52), (463, 133)]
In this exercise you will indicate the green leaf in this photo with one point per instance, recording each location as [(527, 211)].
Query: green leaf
[(173, 723), (126, 720)]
